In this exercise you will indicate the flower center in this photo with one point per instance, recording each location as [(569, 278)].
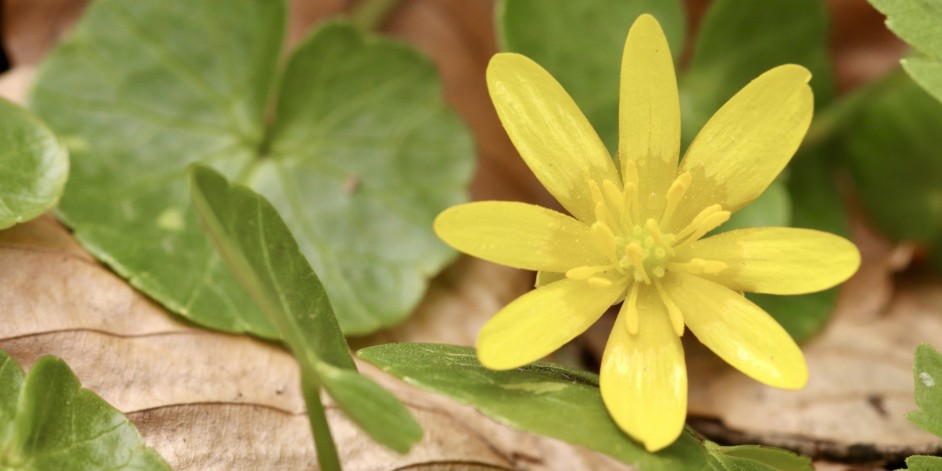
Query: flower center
[(636, 248)]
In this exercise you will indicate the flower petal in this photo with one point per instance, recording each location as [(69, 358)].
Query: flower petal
[(777, 260), (747, 143), (539, 322), (737, 330), (550, 132), (649, 110), (518, 235), (643, 378)]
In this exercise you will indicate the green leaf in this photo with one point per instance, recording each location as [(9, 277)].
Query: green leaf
[(891, 147), (927, 73), (258, 247), (923, 463), (919, 23), (375, 409), (581, 44), (928, 374), (542, 398), (360, 153), (756, 458), (47, 421), (739, 40), (33, 166)]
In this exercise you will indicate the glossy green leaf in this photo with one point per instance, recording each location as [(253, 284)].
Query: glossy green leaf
[(33, 166), (542, 398), (891, 146), (928, 374), (360, 153), (923, 463), (256, 244), (48, 421), (581, 43), (919, 23), (741, 39), (756, 458)]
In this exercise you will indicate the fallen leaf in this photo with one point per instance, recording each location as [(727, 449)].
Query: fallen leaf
[(217, 401), (860, 366)]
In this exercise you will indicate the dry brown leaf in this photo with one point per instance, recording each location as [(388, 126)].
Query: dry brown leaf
[(861, 385), (207, 400)]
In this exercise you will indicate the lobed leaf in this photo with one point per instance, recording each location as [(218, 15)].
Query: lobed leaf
[(48, 421), (360, 152), (928, 375), (890, 147), (33, 166), (919, 23)]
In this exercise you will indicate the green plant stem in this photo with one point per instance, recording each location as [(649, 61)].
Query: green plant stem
[(369, 15), (323, 441)]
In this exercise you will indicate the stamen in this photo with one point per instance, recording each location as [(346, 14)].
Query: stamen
[(630, 196), (636, 255), (674, 194), (631, 190), (676, 317), (709, 223), (602, 211), (632, 318), (585, 272), (604, 240), (614, 196), (655, 232), (710, 218), (599, 282)]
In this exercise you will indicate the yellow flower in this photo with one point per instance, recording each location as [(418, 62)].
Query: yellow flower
[(635, 234)]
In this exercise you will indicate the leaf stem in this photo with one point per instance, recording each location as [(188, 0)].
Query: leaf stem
[(369, 15), (323, 441)]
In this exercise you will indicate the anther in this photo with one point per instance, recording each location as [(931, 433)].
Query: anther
[(604, 240), (584, 272), (676, 316), (674, 194), (599, 282), (613, 195), (632, 318), (636, 255), (706, 220)]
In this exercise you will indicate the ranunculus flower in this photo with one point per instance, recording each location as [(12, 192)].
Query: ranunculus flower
[(636, 232)]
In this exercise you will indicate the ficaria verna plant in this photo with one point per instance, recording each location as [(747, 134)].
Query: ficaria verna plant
[(636, 234)]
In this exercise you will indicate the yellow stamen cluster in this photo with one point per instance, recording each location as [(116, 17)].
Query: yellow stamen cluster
[(638, 251)]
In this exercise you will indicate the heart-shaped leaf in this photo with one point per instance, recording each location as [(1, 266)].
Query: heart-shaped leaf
[(359, 154), (48, 421), (919, 23), (928, 372), (33, 166)]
